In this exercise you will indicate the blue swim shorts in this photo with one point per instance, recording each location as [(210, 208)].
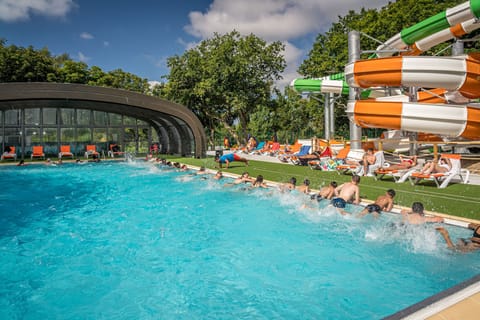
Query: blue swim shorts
[(339, 203)]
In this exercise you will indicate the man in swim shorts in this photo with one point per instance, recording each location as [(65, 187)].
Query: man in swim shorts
[(382, 203), (347, 192), (326, 192), (227, 158)]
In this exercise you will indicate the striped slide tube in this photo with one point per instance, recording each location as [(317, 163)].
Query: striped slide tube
[(443, 119), (451, 17), (460, 73)]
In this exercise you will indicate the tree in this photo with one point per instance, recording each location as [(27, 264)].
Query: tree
[(225, 78)]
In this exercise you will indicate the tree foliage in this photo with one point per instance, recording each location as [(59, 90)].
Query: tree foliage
[(18, 64), (225, 79)]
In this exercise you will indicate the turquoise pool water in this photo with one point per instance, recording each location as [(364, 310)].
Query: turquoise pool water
[(133, 241)]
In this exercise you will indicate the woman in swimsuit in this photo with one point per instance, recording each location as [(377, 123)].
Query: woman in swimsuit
[(442, 166)]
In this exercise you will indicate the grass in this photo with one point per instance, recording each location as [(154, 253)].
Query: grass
[(457, 199)]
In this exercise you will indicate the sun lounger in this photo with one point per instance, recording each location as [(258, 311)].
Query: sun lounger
[(91, 151), (353, 155), (65, 152), (443, 179), (37, 152), (114, 150), (12, 154)]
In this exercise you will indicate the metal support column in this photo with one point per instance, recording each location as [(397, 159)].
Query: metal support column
[(326, 113), (354, 55), (331, 108)]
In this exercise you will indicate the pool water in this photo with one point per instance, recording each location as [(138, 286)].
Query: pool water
[(135, 241)]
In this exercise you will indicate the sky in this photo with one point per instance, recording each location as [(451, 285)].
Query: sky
[(138, 36)]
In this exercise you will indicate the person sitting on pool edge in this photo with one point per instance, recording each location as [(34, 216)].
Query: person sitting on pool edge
[(305, 187), (227, 158), (463, 245), (417, 216), (383, 202), (258, 183), (347, 192)]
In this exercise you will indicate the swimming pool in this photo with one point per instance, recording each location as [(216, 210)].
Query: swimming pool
[(133, 241)]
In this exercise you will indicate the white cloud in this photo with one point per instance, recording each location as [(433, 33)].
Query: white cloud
[(106, 43), (83, 58), (187, 45), (18, 10), (86, 36), (274, 20)]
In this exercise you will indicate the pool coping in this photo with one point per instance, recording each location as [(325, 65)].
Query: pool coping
[(439, 302)]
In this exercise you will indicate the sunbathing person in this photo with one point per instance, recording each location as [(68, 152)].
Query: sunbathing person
[(305, 187), (442, 166), (382, 203), (463, 245), (368, 160), (417, 216), (326, 192), (405, 163), (347, 192), (227, 158)]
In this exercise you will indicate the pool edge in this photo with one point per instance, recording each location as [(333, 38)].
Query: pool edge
[(436, 305)]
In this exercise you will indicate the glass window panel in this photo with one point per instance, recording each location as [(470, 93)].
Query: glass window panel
[(115, 119), (100, 118), (50, 135), (83, 117), (32, 116), (155, 137), (67, 116), (1, 118), (84, 135), (142, 123), (129, 134), (143, 140), (129, 120), (32, 136), (12, 137), (100, 135), (49, 116), (115, 135), (12, 117), (67, 135)]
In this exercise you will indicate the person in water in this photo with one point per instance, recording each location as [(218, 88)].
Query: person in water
[(383, 202), (227, 158), (463, 245), (348, 192), (326, 192), (417, 216)]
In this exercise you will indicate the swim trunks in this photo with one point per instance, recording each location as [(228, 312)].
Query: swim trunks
[(373, 208), (236, 157), (339, 203)]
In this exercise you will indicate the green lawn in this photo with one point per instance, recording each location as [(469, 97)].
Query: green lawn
[(457, 199)]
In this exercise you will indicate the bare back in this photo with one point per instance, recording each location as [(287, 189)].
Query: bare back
[(349, 192)]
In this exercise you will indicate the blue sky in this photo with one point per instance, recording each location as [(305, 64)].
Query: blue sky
[(138, 36)]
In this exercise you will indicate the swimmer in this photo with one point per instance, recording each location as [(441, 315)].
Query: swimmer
[(289, 186), (258, 183), (218, 175), (383, 203), (417, 216), (244, 178), (347, 192), (305, 188), (326, 192), (463, 245), (201, 171)]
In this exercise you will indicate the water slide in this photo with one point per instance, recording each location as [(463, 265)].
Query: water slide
[(446, 79)]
